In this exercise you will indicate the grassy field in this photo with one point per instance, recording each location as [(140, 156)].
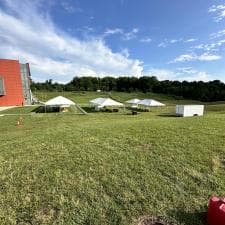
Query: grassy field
[(110, 168), (85, 97)]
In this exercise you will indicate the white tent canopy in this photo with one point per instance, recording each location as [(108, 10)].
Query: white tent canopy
[(97, 101), (63, 102), (150, 102), (102, 102), (59, 101), (133, 101)]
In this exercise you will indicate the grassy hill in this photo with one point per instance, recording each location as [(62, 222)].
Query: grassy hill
[(110, 168), (85, 97)]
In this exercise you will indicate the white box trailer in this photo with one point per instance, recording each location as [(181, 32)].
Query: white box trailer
[(189, 110)]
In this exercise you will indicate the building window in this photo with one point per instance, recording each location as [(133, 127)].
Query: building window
[(2, 89)]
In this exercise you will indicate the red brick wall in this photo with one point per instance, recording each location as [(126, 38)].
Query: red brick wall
[(10, 72)]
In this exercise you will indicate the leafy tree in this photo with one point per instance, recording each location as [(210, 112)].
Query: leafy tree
[(198, 90)]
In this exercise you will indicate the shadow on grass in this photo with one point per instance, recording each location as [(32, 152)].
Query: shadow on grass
[(132, 113), (138, 109), (167, 115), (89, 109), (107, 110), (42, 109), (197, 217)]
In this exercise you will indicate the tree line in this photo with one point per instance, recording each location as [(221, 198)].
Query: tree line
[(196, 90)]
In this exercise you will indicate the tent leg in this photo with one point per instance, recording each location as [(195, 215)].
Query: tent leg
[(74, 108), (84, 112)]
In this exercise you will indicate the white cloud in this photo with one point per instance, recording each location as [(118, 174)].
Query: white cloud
[(190, 40), (207, 57), (194, 57), (219, 11), (113, 31), (221, 42), (185, 57), (69, 7), (174, 41), (210, 47), (162, 45), (126, 36), (31, 36), (198, 76), (191, 74), (181, 74), (206, 47), (161, 74), (168, 42), (146, 40), (218, 34), (130, 35), (186, 70)]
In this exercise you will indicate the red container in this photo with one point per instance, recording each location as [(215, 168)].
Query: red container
[(216, 211)]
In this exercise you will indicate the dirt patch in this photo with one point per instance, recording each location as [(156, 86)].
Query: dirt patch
[(47, 215), (147, 220)]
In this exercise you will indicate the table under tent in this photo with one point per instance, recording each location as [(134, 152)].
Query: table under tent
[(61, 104), (101, 103)]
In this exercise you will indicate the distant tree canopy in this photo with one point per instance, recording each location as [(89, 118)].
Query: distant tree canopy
[(196, 90)]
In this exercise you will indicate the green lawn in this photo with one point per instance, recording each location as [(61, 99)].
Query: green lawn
[(110, 168)]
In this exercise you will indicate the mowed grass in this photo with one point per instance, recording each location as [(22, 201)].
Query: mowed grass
[(109, 168)]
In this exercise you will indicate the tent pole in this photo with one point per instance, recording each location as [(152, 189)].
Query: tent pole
[(83, 111), (73, 106)]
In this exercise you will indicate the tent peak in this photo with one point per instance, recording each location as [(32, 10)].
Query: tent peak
[(101, 102), (59, 100), (150, 102)]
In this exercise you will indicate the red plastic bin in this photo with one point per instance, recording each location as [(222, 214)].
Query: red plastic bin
[(216, 211)]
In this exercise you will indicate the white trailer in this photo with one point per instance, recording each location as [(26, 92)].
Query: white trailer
[(189, 110)]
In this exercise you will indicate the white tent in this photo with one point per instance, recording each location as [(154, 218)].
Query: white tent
[(59, 101), (63, 102), (133, 102), (97, 101), (102, 102), (150, 102)]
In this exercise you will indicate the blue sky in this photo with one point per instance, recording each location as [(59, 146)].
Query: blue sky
[(177, 39)]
